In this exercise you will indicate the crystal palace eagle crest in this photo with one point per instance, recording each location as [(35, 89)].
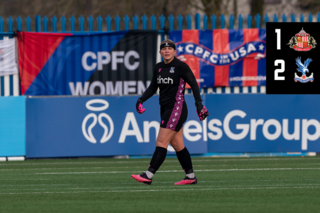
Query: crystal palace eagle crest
[(302, 41)]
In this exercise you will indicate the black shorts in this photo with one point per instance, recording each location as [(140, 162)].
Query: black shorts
[(173, 115)]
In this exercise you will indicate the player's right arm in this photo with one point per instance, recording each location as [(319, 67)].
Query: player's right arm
[(150, 91)]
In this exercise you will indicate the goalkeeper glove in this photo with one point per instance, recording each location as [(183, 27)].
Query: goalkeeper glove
[(139, 107), (201, 111)]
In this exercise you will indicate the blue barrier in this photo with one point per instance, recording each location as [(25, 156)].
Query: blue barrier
[(108, 126), (263, 123), (12, 126), (100, 126), (42, 23)]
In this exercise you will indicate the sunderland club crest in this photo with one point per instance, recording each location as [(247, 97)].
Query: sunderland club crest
[(303, 68), (302, 41)]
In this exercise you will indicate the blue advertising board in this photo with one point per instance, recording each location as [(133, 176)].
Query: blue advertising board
[(263, 123), (100, 126), (12, 126)]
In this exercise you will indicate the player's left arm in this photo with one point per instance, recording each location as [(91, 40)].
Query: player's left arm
[(188, 76)]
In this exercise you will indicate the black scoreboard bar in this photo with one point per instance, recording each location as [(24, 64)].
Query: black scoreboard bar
[(293, 58)]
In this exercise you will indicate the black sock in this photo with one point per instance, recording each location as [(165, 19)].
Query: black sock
[(157, 159), (185, 160)]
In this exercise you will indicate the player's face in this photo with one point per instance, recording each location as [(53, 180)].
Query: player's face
[(167, 53)]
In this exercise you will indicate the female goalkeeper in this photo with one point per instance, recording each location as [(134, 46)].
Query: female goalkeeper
[(171, 76)]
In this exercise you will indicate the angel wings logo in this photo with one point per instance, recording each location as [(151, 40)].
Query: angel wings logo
[(303, 68), (107, 132)]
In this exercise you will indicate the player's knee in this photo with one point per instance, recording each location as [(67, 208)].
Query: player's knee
[(177, 146), (162, 142)]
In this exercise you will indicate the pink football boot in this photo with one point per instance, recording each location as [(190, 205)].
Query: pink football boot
[(143, 178)]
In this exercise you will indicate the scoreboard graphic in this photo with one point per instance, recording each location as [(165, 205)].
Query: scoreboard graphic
[(293, 58)]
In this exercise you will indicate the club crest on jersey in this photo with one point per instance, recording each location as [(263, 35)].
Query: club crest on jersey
[(302, 41), (303, 68), (172, 70)]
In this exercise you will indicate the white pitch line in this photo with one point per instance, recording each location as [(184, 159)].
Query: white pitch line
[(154, 187), (61, 168), (203, 170), (166, 187), (130, 167), (212, 159), (157, 190)]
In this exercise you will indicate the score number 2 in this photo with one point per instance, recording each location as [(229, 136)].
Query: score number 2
[(277, 71), (279, 61)]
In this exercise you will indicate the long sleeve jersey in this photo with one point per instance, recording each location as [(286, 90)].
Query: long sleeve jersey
[(171, 79)]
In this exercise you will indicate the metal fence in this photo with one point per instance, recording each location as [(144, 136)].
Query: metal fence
[(9, 85)]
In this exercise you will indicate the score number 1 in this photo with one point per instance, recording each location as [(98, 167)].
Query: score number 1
[(279, 61)]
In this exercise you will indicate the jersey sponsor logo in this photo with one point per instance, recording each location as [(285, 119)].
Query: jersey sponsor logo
[(164, 80), (172, 69), (303, 68), (302, 41)]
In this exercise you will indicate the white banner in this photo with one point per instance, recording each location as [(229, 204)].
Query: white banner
[(8, 62)]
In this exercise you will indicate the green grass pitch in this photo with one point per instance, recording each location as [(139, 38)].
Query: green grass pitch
[(269, 184)]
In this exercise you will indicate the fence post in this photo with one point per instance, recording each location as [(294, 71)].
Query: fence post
[(301, 18), (126, 22), (72, 23), (10, 23), (90, 22), (310, 17), (249, 20), (266, 19), (171, 22), (231, 22), (205, 21), (275, 18), (108, 20), (1, 24), (197, 21), (293, 18), (144, 19), (81, 23), (284, 18), (28, 21), (180, 21), (38, 23), (189, 20), (135, 19), (153, 22), (45, 24), (19, 23), (222, 21), (63, 23), (162, 22), (213, 21), (240, 22), (99, 20), (117, 20), (54, 24), (258, 19)]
